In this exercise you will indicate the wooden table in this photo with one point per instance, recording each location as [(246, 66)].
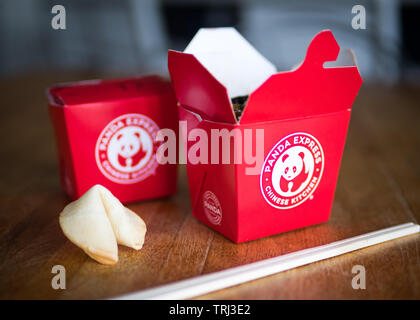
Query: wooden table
[(379, 186)]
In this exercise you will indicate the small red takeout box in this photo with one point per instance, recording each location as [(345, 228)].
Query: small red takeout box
[(105, 133), (304, 114)]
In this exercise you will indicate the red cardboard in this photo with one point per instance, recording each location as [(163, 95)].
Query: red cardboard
[(105, 134), (304, 114)]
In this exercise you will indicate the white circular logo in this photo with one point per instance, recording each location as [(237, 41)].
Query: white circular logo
[(126, 148), (212, 207), (292, 171)]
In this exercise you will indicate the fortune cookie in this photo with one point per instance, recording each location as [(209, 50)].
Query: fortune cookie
[(97, 221), (129, 228)]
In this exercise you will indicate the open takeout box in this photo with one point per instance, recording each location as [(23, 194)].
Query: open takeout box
[(304, 114)]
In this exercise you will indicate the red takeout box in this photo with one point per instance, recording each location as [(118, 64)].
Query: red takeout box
[(105, 133), (304, 114)]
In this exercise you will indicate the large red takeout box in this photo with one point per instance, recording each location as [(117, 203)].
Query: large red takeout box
[(106, 134), (303, 114)]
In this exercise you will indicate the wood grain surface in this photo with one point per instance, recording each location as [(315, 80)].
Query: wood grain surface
[(378, 186)]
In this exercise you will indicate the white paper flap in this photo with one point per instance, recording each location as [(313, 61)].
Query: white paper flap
[(231, 59)]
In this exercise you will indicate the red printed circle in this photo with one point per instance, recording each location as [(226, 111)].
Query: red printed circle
[(292, 171), (212, 208), (125, 151)]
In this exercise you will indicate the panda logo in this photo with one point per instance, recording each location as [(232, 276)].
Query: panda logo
[(292, 171), (130, 149), (126, 149), (212, 208)]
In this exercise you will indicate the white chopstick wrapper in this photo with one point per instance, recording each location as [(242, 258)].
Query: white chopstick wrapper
[(200, 285)]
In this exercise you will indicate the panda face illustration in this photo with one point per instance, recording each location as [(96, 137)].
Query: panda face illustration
[(291, 170), (128, 144), (292, 165), (130, 148), (294, 173)]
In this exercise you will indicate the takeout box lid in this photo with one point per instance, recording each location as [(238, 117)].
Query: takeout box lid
[(99, 91), (220, 64)]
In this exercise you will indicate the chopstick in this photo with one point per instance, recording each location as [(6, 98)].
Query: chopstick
[(200, 285)]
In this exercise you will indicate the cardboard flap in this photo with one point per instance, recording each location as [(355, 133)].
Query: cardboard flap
[(311, 89), (197, 89), (322, 48), (231, 59)]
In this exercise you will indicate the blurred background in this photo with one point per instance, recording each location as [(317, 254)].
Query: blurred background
[(129, 37)]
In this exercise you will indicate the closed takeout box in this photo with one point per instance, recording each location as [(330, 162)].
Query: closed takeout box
[(303, 114), (106, 134)]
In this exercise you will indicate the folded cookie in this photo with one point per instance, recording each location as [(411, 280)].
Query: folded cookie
[(129, 228), (86, 224), (97, 221)]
